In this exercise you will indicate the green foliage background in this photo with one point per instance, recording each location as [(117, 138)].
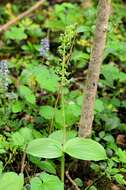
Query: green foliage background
[(31, 109)]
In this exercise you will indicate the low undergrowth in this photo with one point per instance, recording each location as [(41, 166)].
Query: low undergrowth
[(43, 67)]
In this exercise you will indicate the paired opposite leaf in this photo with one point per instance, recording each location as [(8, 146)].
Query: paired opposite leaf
[(44, 148), (80, 148), (85, 149)]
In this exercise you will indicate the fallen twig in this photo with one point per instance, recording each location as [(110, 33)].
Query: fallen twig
[(23, 160), (22, 15), (73, 182)]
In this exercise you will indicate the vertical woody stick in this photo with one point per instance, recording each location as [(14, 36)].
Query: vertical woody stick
[(87, 115)]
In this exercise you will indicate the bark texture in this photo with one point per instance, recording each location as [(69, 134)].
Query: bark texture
[(87, 115)]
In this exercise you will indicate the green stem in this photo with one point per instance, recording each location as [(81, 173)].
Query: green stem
[(62, 94), (63, 114), (62, 167)]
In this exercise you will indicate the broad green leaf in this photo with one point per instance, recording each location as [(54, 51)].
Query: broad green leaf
[(80, 58), (115, 102), (85, 149), (122, 77), (72, 108), (99, 106), (2, 150), (93, 188), (58, 19), (123, 103), (80, 100), (44, 148), (72, 113), (122, 155), (59, 118), (51, 182), (47, 79), (36, 183), (120, 179), (109, 138), (26, 134), (79, 182), (16, 33), (46, 182), (110, 73), (17, 140), (112, 123), (17, 107), (21, 137), (11, 181), (27, 93), (36, 134), (117, 48), (47, 166), (33, 29), (47, 112), (59, 135)]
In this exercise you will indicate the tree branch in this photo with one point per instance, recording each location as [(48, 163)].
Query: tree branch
[(22, 15)]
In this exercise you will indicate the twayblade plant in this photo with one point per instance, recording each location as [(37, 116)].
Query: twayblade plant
[(64, 48), (62, 142)]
